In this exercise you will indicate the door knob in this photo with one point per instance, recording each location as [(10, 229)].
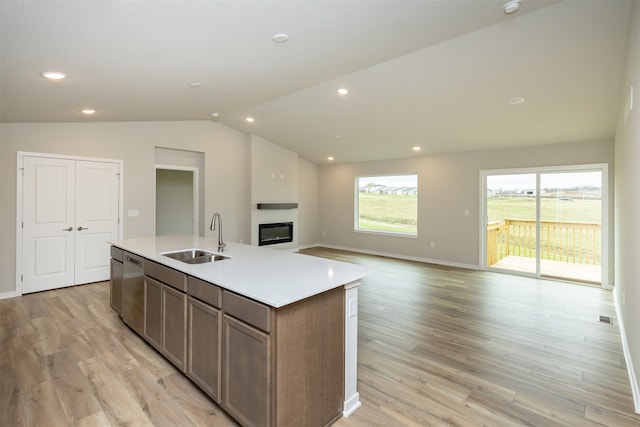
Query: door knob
[(68, 229), (82, 228)]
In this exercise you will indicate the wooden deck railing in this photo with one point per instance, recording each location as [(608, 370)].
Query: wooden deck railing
[(571, 242)]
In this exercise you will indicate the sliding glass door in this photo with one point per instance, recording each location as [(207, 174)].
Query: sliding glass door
[(545, 222), (511, 222)]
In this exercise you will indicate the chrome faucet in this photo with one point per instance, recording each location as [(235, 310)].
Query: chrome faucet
[(212, 227)]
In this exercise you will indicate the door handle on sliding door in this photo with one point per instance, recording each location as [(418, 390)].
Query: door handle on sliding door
[(82, 228), (68, 229)]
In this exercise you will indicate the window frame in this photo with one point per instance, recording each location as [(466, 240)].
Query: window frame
[(356, 220)]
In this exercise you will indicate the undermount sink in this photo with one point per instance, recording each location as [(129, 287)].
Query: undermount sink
[(195, 256)]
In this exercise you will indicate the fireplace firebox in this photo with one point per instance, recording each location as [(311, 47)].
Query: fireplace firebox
[(273, 233)]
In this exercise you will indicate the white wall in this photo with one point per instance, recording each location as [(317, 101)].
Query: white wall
[(226, 165), (274, 179), (627, 206), (447, 185), (308, 203)]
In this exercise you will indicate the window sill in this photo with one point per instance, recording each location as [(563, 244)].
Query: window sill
[(387, 233)]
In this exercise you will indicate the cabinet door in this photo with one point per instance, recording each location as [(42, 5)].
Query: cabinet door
[(174, 326), (117, 273), (246, 372), (203, 347), (153, 312)]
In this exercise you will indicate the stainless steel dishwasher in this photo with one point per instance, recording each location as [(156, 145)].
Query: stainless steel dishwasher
[(133, 292)]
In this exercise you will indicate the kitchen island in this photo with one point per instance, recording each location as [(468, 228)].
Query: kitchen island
[(270, 335)]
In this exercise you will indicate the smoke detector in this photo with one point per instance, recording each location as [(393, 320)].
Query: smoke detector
[(511, 6)]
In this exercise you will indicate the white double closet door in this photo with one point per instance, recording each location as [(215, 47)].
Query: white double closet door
[(70, 210)]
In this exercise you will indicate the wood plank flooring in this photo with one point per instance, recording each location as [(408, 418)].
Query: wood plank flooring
[(437, 346), (443, 346), (66, 359)]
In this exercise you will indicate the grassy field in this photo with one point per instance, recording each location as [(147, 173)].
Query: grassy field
[(382, 212), (575, 210)]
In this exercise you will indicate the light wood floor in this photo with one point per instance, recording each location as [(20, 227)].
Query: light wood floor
[(437, 346)]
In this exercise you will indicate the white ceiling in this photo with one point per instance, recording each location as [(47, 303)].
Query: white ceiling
[(433, 73)]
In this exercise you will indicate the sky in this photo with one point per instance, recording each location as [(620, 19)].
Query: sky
[(547, 180), (390, 180)]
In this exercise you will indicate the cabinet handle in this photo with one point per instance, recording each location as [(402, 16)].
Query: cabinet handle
[(133, 261), (82, 228), (68, 229)]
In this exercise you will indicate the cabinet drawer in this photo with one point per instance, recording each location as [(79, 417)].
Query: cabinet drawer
[(247, 310), (204, 291), (166, 275), (117, 253)]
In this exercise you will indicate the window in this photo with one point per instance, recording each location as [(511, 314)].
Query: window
[(387, 204)]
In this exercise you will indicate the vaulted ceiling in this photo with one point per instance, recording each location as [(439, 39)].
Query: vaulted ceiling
[(438, 74)]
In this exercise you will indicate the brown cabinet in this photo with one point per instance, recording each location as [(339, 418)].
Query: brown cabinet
[(165, 312), (117, 274), (153, 312), (246, 372), (283, 366), (203, 346), (174, 326)]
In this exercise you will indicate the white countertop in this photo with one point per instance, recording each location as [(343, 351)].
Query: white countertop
[(271, 276)]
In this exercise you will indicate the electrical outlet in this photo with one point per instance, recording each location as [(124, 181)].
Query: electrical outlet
[(353, 307), (433, 245)]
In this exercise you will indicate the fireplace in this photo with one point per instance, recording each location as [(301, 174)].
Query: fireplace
[(277, 232)]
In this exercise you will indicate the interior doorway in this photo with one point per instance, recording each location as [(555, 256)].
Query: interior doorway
[(546, 222), (176, 200)]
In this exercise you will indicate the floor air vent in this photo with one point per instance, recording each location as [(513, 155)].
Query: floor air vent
[(604, 319)]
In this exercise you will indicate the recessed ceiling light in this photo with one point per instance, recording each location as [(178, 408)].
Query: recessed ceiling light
[(195, 84), (88, 111), (330, 158), (516, 100), (215, 115), (280, 38), (343, 91), (417, 148), (53, 75), (250, 119), (511, 6)]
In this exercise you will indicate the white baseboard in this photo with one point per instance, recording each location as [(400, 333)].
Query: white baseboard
[(635, 390), (6, 295), (396, 256), (351, 405)]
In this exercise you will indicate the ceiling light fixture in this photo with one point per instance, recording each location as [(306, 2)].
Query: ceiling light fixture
[(53, 75), (330, 158), (280, 38), (511, 6), (516, 100), (417, 148), (250, 119), (343, 91), (88, 111), (215, 115), (195, 84)]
